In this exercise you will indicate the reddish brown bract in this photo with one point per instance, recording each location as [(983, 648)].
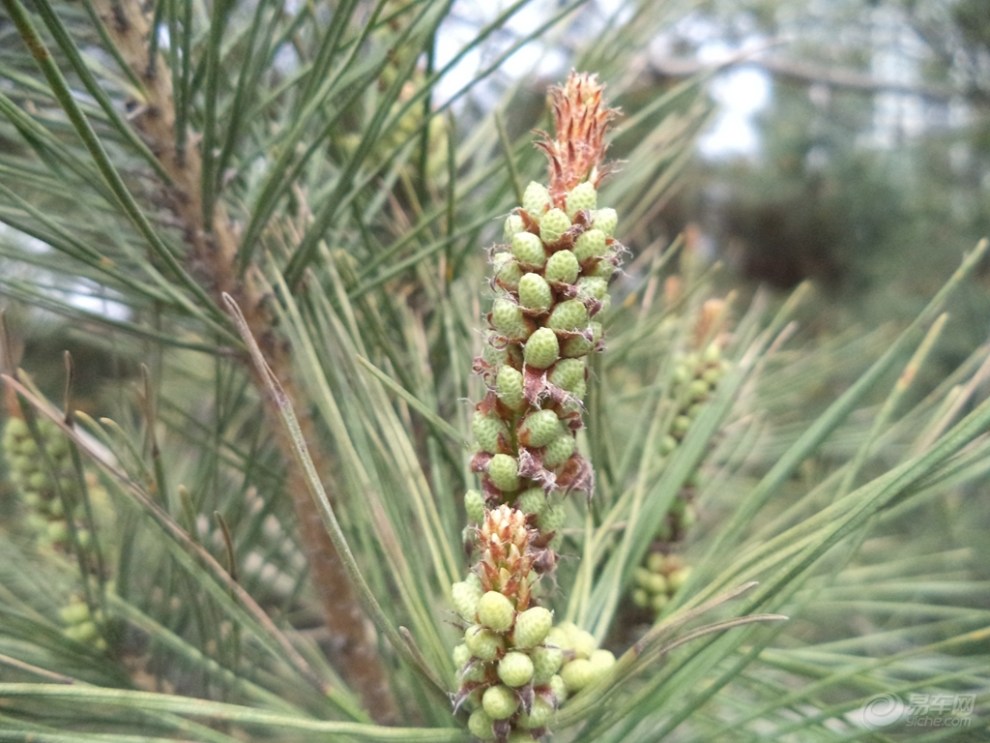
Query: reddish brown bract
[(577, 151)]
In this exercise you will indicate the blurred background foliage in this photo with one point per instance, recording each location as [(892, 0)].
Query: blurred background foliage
[(862, 158)]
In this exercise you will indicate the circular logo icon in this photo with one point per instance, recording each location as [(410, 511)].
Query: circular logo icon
[(882, 711)]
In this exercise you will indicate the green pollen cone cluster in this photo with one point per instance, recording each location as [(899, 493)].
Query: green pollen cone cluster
[(45, 480), (516, 667), (658, 579), (550, 278), (696, 377), (83, 625), (408, 127), (42, 474)]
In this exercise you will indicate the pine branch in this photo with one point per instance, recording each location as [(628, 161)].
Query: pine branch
[(802, 73), (214, 247)]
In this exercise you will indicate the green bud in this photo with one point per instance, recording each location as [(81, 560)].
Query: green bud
[(546, 662), (506, 270), (601, 661), (16, 428), (562, 267), (57, 531), (533, 500), (483, 643), (603, 269), (56, 443), (577, 674), (552, 518), (539, 428), (539, 716), (568, 374), (582, 642), (641, 576), (559, 450), (480, 725), (590, 244), (576, 347), (659, 602), (28, 447), (33, 501), (571, 315), (559, 637), (515, 669), (74, 613), (698, 390), (508, 319), (465, 597), (509, 387), (553, 225), (499, 702), (641, 598), (605, 220), (681, 374), (513, 224), (504, 472), (474, 506), (558, 688), (582, 196), (532, 627), (536, 199), (528, 249), (655, 562), (655, 583), (489, 431), (542, 349), (534, 292), (592, 287), (667, 444), (694, 410), (495, 611), (38, 481), (85, 632), (21, 464), (680, 425), (494, 355)]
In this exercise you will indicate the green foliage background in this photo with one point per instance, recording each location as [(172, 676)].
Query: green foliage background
[(834, 469)]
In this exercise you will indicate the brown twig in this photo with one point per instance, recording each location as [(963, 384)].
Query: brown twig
[(213, 245)]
